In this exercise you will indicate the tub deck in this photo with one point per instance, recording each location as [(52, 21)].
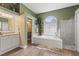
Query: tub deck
[(49, 41)]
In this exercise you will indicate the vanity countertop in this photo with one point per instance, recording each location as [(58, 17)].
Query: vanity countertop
[(7, 33)]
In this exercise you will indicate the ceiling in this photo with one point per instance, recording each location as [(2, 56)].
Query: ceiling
[(45, 7)]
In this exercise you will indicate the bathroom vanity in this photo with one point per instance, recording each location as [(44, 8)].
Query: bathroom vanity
[(9, 39), (9, 36), (8, 42)]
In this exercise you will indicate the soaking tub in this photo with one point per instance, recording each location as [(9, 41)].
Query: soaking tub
[(49, 41)]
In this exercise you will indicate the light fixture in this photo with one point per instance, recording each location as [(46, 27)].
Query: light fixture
[(5, 15)]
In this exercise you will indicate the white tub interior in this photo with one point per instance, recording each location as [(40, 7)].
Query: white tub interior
[(47, 37)]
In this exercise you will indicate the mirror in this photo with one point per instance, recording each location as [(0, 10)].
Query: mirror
[(7, 22), (4, 26)]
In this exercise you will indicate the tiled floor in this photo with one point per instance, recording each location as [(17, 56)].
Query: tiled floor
[(40, 51)]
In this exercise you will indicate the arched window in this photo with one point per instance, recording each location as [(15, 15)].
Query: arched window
[(50, 25), (50, 19)]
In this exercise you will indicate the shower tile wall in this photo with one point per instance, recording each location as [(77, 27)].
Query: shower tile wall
[(67, 33)]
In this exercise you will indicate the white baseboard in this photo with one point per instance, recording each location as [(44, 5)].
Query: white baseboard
[(23, 46)]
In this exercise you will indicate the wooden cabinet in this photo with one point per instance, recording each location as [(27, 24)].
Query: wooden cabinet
[(8, 43)]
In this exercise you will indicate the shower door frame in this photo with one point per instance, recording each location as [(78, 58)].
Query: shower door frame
[(76, 45)]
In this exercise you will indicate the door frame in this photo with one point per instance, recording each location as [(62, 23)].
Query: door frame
[(26, 25), (33, 20)]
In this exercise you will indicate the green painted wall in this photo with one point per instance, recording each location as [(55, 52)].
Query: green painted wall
[(24, 9), (61, 14)]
